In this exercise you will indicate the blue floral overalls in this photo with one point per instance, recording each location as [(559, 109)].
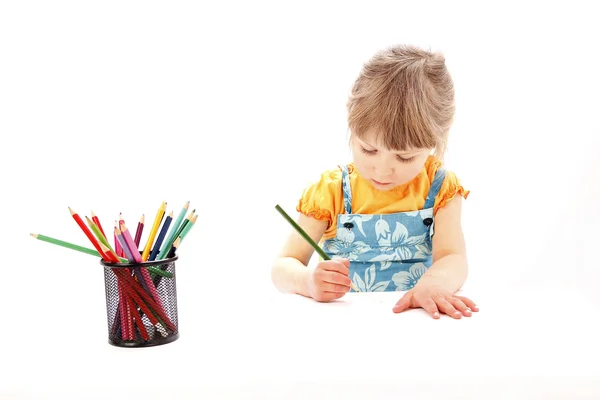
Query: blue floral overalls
[(387, 252)]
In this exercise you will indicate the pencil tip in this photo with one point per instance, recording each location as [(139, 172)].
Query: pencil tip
[(71, 211), (34, 235)]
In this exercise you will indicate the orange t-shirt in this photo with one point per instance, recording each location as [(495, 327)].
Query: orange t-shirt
[(324, 199)]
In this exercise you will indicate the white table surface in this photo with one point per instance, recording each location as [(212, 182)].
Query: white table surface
[(529, 342)]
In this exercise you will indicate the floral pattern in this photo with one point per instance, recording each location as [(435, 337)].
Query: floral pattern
[(406, 280), (387, 252)]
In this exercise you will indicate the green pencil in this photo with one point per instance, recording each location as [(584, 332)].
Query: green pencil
[(305, 235), (164, 252), (68, 245), (100, 235), (187, 228), (175, 225), (89, 251)]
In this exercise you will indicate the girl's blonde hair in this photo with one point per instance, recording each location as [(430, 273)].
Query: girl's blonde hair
[(406, 96)]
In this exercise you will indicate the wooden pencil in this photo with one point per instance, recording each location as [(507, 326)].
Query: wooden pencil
[(100, 236), (306, 237), (161, 236), (175, 225), (97, 222), (69, 245), (138, 232), (159, 215), (164, 252), (90, 236), (143, 271)]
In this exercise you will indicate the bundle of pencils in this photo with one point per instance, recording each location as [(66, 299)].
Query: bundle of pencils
[(137, 283)]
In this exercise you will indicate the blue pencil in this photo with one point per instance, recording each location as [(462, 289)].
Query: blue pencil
[(161, 237)]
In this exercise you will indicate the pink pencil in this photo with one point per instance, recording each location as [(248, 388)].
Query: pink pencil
[(118, 248), (138, 259)]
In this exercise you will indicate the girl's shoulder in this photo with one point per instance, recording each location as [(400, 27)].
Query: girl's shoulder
[(322, 198), (450, 185)]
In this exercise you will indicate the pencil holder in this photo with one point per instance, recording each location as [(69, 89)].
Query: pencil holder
[(141, 303)]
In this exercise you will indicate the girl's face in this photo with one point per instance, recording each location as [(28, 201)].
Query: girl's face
[(386, 169)]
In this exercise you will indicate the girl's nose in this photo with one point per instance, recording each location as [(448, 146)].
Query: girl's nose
[(384, 170)]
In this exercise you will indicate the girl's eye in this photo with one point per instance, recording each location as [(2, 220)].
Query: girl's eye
[(369, 152), (405, 160)]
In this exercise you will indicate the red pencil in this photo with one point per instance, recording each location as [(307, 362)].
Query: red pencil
[(107, 257), (138, 258), (97, 222), (138, 320)]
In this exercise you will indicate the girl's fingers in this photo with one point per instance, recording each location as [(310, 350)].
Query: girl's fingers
[(334, 288), (429, 305), (460, 306), (403, 304), (469, 303), (447, 308), (335, 278)]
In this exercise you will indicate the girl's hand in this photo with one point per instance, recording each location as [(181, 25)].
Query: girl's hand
[(435, 300), (329, 280)]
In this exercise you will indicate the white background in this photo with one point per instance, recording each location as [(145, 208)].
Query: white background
[(236, 106)]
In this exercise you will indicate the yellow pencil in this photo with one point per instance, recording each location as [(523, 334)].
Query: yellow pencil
[(153, 232)]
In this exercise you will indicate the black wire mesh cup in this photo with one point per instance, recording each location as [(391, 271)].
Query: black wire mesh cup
[(141, 303)]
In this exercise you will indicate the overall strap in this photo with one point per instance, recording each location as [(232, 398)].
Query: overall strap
[(435, 188), (346, 189)]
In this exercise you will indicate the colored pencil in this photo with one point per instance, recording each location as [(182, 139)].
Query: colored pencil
[(132, 255), (161, 236), (68, 245), (183, 234), (174, 247), (188, 227), (138, 232), (175, 225), (143, 271), (128, 243), (159, 214), (142, 298), (135, 289), (164, 267), (91, 237), (100, 236), (164, 252), (118, 247), (306, 237), (187, 220), (123, 312), (97, 222)]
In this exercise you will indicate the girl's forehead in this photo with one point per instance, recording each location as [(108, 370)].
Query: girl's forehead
[(373, 139)]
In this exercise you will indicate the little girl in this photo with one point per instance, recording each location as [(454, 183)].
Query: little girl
[(391, 219)]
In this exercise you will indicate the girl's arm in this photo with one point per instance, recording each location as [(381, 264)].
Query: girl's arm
[(289, 272), (449, 269)]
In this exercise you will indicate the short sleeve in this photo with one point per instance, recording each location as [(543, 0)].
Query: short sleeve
[(323, 198), (450, 188)]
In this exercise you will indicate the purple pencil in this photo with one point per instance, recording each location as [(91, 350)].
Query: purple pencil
[(138, 232)]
